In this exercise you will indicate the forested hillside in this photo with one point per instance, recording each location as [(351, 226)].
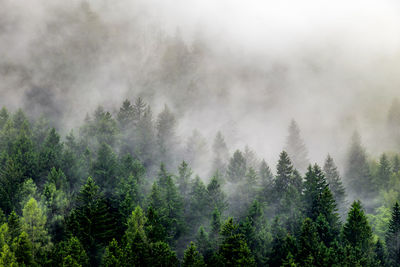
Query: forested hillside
[(119, 191), (199, 133)]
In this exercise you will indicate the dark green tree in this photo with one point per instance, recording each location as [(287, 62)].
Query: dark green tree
[(192, 258), (357, 231), (237, 167), (91, 221), (393, 237), (335, 184)]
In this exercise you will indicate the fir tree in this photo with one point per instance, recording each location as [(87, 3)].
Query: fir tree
[(357, 173), (221, 154), (237, 167), (393, 237), (357, 231), (192, 258), (295, 147), (335, 184)]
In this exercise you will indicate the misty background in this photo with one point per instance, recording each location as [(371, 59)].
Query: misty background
[(243, 68)]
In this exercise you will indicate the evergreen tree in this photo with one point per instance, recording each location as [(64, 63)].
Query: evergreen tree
[(357, 231), (237, 167), (192, 258), (105, 169), (393, 237), (384, 172), (234, 250), (14, 225), (72, 253), (335, 184), (113, 255), (284, 174), (50, 154), (166, 137), (216, 197), (221, 154), (357, 173), (295, 148), (22, 248), (161, 255), (183, 180), (266, 182), (91, 220), (34, 224), (7, 257), (125, 115)]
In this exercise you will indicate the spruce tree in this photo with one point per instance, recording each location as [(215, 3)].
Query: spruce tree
[(284, 174), (335, 183), (357, 231), (393, 237), (357, 174), (91, 221), (237, 167), (192, 258), (221, 154), (295, 147), (384, 173)]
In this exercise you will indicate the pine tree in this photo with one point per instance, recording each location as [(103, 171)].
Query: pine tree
[(384, 172), (237, 167), (105, 169), (295, 148), (357, 173), (161, 255), (234, 250), (166, 137), (113, 255), (7, 257), (14, 225), (357, 231), (71, 251), (216, 197), (192, 258), (125, 115), (34, 224), (183, 180), (335, 184), (284, 174), (266, 182), (50, 154), (221, 154), (91, 221), (22, 248), (393, 237), (312, 252)]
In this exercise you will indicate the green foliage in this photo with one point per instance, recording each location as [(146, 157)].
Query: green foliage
[(357, 231), (91, 220), (192, 258), (393, 237), (237, 167)]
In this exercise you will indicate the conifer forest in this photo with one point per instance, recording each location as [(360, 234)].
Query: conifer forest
[(199, 133)]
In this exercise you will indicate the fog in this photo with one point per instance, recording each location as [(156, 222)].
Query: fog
[(254, 66)]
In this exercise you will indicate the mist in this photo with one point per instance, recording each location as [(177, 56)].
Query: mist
[(331, 66)]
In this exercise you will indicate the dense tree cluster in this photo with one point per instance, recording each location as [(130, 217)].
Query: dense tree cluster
[(122, 192)]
